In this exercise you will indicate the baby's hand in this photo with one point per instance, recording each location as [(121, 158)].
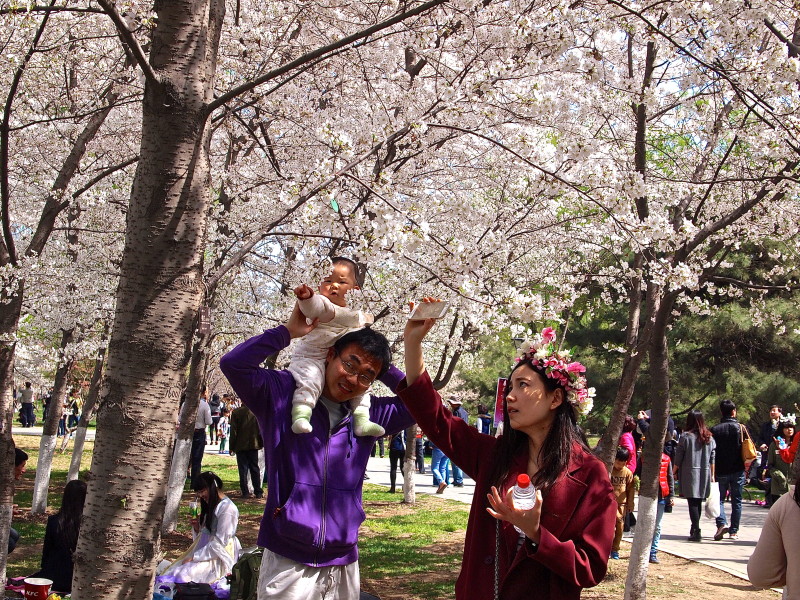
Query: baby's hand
[(303, 292)]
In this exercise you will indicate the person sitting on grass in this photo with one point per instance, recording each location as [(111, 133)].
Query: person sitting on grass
[(566, 537), (216, 547), (61, 538)]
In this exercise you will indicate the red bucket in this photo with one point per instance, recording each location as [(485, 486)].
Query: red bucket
[(37, 588)]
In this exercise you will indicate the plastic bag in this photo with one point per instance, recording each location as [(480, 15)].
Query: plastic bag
[(712, 502)]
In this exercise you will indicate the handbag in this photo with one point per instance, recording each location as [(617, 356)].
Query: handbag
[(712, 502), (748, 447), (194, 591)]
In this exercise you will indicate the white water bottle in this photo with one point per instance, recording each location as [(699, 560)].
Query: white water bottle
[(524, 495)]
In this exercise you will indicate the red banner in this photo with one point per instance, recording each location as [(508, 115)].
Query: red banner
[(498, 400)]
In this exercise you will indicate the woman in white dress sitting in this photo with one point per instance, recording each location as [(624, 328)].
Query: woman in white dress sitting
[(215, 548)]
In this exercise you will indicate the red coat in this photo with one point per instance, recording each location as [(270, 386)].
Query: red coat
[(578, 516)]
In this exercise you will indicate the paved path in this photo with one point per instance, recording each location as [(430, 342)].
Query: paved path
[(728, 555)]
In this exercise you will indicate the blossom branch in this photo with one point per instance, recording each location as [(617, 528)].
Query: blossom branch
[(321, 52), (9, 251), (129, 39)]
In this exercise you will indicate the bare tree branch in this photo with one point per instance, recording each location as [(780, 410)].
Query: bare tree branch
[(129, 39)]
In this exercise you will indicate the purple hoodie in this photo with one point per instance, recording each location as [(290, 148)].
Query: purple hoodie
[(313, 508)]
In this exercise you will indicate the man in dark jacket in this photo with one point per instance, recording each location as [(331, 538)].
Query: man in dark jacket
[(245, 444), (729, 469)]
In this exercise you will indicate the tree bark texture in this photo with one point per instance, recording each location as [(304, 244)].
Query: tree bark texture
[(10, 307), (653, 447), (158, 298), (409, 466), (181, 452)]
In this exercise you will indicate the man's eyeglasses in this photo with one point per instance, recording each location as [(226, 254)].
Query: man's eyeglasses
[(350, 369)]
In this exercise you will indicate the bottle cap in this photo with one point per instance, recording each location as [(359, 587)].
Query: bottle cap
[(523, 480)]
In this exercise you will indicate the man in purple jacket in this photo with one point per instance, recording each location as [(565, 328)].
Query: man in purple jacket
[(310, 525)]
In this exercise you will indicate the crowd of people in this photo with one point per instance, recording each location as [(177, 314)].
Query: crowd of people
[(317, 424)]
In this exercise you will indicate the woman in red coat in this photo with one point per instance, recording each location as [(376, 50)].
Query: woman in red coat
[(568, 534)]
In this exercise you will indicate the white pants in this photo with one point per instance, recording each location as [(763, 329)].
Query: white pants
[(289, 580), (309, 376)]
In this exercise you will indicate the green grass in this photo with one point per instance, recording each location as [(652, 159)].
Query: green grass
[(410, 542), (397, 540)]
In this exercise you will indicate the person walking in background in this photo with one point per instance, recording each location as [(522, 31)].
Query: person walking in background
[(458, 411), (694, 467), (769, 429), (245, 442), (626, 441), (624, 492), (215, 406), (397, 452), (202, 421), (483, 421), (27, 413), (223, 428), (666, 492), (780, 472), (439, 468), (419, 450), (729, 469), (61, 538), (769, 565)]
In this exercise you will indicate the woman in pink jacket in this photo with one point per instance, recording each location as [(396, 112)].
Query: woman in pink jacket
[(566, 537)]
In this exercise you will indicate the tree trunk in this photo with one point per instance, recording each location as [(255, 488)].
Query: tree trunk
[(636, 584), (158, 298), (86, 416), (10, 307), (47, 443), (409, 466), (181, 452)]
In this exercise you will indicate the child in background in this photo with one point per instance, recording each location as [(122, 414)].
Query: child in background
[(223, 428), (666, 491), (622, 481), (308, 359)]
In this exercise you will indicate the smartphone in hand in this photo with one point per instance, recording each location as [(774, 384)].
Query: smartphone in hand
[(428, 310)]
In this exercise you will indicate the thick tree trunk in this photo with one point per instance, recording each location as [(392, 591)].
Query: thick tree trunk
[(181, 452), (86, 416), (158, 298), (636, 584), (47, 443), (10, 307)]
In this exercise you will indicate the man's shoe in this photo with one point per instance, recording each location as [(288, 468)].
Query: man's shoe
[(614, 555), (721, 531), (441, 488), (733, 536), (654, 559), (246, 495), (458, 485)]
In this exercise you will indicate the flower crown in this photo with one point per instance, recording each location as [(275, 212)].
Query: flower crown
[(555, 364)]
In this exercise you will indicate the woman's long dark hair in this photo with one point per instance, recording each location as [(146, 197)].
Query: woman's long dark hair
[(212, 482), (68, 518), (556, 451), (695, 423)]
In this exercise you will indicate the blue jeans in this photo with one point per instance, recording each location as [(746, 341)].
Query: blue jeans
[(734, 482), (439, 466), (458, 474), (657, 533)]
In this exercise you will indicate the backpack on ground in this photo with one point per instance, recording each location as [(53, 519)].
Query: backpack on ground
[(244, 575)]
